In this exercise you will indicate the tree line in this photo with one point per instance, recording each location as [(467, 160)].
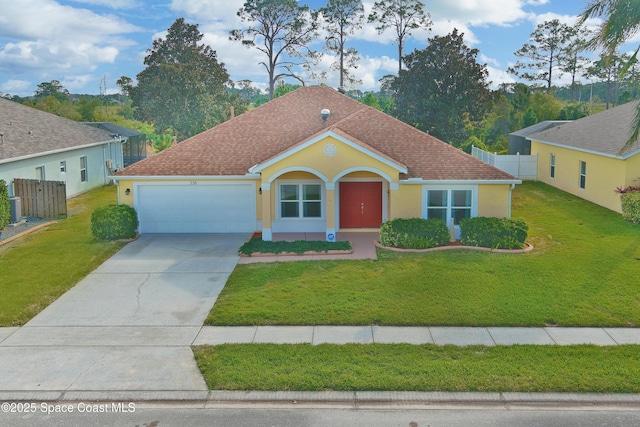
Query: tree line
[(441, 89)]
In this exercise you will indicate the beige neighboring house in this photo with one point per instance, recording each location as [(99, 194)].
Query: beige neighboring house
[(38, 145), (584, 157), (313, 160)]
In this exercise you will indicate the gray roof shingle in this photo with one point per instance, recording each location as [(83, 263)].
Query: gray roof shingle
[(27, 131), (605, 133), (114, 129)]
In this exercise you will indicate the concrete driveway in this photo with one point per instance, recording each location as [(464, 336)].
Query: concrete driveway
[(127, 325)]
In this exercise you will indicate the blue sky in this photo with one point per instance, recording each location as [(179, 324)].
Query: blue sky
[(83, 42)]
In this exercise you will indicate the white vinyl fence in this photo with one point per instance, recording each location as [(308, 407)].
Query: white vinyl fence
[(518, 165)]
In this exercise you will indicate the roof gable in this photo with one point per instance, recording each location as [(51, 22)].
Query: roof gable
[(338, 135), (603, 133), (29, 132), (261, 134)]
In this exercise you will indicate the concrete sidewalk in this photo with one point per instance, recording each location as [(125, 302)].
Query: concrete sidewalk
[(178, 336), (438, 335)]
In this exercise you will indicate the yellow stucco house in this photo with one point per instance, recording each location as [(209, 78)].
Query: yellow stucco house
[(584, 157), (313, 160)]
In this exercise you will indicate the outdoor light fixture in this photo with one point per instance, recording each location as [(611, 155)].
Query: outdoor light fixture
[(127, 191), (260, 191)]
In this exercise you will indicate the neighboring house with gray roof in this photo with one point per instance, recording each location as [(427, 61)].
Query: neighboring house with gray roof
[(134, 148), (519, 142), (585, 157), (38, 145)]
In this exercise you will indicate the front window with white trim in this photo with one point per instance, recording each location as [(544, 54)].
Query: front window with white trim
[(300, 200), (446, 204)]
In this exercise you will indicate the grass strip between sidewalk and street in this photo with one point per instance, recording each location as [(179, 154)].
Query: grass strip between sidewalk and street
[(391, 367), (40, 266)]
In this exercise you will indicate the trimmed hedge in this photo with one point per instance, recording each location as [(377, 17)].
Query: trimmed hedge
[(257, 245), (631, 206), (5, 207), (495, 233), (414, 233), (114, 222)]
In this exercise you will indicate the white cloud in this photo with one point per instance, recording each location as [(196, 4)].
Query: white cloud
[(209, 10), (14, 86), (371, 69), (443, 28), (48, 20), (52, 56), (498, 77), (47, 34), (45, 40), (239, 61), (550, 16), (477, 12), (483, 59), (114, 4), (78, 82)]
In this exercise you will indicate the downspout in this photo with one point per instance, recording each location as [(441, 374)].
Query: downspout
[(104, 165), (513, 186)]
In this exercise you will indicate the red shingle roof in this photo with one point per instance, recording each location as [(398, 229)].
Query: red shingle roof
[(233, 147)]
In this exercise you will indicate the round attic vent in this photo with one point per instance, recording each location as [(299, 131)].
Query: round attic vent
[(329, 150), (325, 113)]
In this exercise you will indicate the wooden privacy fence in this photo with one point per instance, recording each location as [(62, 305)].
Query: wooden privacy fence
[(41, 199)]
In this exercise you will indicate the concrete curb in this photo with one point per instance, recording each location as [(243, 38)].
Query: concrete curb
[(355, 399), (527, 248)]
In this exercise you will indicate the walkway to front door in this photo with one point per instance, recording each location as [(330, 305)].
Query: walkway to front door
[(362, 242), (360, 204)]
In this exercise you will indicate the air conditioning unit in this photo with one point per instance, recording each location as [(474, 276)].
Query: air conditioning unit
[(15, 208)]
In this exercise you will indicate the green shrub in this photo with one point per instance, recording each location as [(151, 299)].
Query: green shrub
[(5, 209), (495, 233), (631, 206), (414, 233), (114, 222), (257, 245)]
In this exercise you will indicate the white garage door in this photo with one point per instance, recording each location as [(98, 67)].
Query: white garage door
[(196, 208)]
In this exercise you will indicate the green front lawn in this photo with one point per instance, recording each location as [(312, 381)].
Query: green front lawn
[(583, 272), (39, 267), (353, 367)]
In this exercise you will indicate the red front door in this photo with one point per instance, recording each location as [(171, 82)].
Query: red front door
[(360, 204)]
